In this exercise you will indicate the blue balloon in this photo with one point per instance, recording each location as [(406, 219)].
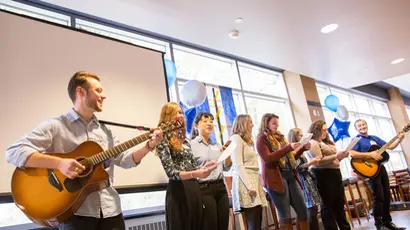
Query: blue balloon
[(332, 102), (171, 71), (339, 129)]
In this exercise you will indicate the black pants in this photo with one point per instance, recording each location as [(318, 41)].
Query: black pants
[(330, 186), (312, 218), (381, 197), (91, 223), (253, 217), (216, 205), (183, 205)]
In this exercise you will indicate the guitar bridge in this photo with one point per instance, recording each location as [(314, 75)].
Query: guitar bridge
[(53, 180), (367, 164)]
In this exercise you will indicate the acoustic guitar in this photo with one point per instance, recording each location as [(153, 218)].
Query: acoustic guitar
[(369, 167), (49, 198)]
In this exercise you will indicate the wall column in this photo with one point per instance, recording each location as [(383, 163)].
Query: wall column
[(400, 118), (304, 99)]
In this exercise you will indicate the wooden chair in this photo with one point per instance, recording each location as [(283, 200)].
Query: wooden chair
[(350, 182), (402, 179), (347, 207), (394, 189), (273, 213), (228, 184)]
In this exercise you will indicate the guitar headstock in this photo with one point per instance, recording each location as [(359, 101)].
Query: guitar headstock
[(168, 127), (406, 129)]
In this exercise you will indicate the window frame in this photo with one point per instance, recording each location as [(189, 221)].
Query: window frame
[(376, 117)]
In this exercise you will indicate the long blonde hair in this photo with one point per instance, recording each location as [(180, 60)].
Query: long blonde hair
[(240, 127), (293, 135), (168, 112)]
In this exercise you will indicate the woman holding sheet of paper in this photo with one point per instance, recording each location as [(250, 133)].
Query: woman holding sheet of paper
[(183, 202), (278, 172), (328, 176), (214, 195), (248, 195), (308, 181)]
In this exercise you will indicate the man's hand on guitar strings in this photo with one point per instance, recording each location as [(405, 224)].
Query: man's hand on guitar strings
[(376, 155), (70, 168)]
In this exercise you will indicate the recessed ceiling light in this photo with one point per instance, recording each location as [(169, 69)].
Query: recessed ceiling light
[(329, 28), (238, 20), (234, 34), (397, 61), (366, 69)]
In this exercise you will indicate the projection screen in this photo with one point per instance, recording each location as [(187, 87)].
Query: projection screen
[(37, 61)]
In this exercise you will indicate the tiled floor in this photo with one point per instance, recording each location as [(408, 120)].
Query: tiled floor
[(400, 218)]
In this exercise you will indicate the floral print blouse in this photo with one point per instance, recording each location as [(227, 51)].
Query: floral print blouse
[(174, 162)]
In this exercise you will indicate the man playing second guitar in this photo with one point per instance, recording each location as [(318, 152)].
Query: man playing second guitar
[(380, 183)]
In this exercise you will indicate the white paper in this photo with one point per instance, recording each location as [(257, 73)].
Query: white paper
[(225, 154), (352, 144), (305, 139)]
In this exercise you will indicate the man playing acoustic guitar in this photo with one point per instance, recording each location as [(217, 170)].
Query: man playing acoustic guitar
[(100, 209), (380, 183)]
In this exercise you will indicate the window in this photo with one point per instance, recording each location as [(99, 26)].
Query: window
[(11, 215), (377, 116), (344, 98), (142, 200), (204, 67), (19, 8), (381, 109), (408, 111), (362, 104), (123, 36), (258, 106), (262, 81)]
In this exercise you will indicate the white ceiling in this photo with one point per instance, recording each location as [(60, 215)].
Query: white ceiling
[(402, 82), (284, 34)]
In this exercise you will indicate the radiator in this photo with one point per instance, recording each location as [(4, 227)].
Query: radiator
[(156, 222)]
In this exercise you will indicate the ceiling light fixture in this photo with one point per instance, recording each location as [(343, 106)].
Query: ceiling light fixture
[(234, 34), (238, 20), (366, 69), (329, 28), (397, 61)]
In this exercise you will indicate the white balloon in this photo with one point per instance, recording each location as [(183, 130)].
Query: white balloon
[(342, 112), (193, 93)]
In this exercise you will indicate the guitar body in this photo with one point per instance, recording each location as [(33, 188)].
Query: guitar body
[(369, 167), (48, 197)]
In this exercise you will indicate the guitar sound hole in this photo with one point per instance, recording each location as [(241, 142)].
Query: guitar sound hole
[(87, 170)]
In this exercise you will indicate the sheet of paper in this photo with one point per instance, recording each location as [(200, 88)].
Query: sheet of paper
[(225, 154), (352, 144), (305, 139)]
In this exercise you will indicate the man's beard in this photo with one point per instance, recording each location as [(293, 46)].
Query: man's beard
[(93, 105)]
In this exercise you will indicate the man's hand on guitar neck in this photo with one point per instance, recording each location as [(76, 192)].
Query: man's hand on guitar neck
[(376, 155), (70, 168)]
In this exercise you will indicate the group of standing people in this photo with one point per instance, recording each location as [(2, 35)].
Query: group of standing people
[(301, 177)]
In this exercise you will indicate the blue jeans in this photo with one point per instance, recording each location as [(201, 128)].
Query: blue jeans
[(292, 196)]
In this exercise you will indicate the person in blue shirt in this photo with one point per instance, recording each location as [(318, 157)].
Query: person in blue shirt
[(380, 183)]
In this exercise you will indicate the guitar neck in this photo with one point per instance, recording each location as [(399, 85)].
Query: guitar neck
[(387, 145), (116, 150)]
